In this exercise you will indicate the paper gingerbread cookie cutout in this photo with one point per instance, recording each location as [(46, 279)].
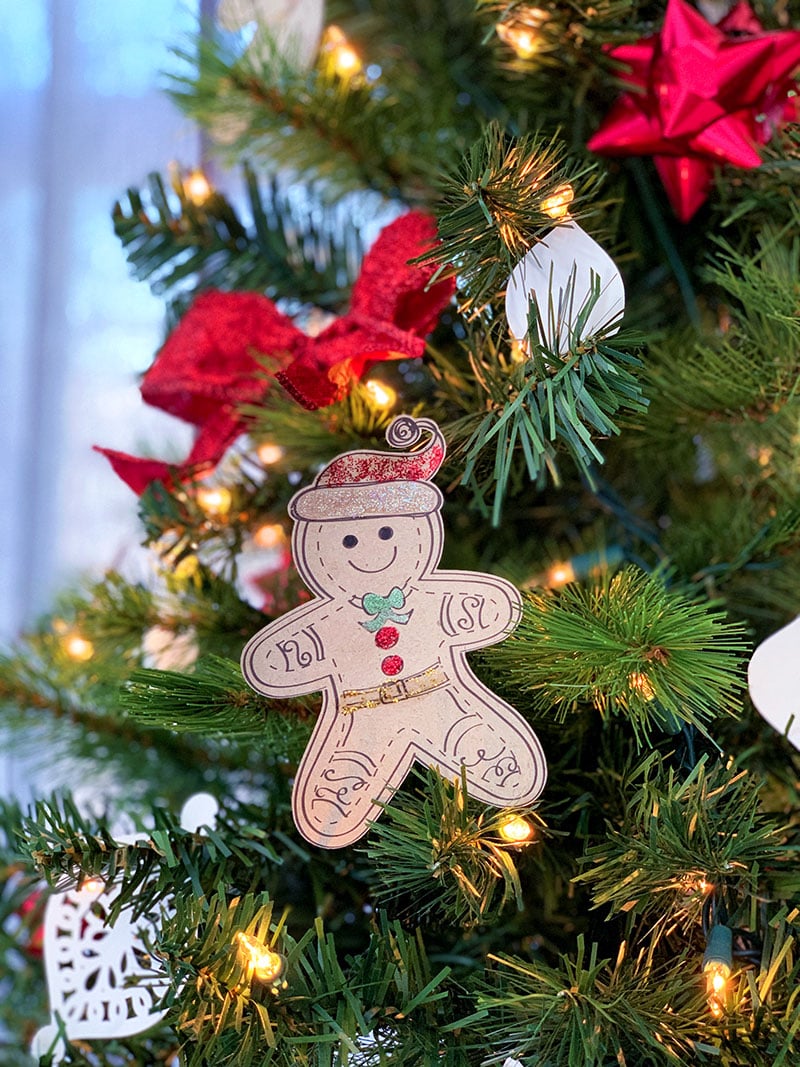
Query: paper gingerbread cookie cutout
[(385, 640)]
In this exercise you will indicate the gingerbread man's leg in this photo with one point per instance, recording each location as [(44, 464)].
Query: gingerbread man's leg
[(352, 762), (504, 762)]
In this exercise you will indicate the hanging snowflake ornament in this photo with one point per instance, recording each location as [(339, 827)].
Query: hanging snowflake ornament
[(571, 287), (385, 640), (773, 676), (102, 982), (292, 28)]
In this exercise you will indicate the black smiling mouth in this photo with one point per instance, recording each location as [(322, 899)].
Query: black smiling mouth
[(375, 570)]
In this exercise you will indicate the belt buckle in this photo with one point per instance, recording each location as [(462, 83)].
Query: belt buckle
[(390, 692)]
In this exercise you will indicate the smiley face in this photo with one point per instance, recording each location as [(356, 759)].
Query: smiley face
[(350, 543), (348, 556)]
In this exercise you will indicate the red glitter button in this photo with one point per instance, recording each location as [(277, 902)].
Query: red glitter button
[(392, 665), (387, 637)]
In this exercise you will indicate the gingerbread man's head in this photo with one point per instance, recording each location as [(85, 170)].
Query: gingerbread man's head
[(372, 519)]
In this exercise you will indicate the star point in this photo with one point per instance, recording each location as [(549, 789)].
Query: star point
[(697, 97)]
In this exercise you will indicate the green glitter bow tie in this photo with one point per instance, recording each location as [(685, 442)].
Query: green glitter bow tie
[(383, 608)]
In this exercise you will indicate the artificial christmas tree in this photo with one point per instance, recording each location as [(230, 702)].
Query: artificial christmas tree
[(423, 243)]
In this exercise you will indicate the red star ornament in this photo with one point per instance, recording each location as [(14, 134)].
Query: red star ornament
[(701, 95), (209, 366)]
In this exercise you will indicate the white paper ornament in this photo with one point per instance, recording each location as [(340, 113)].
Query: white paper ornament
[(560, 272), (294, 26), (91, 968), (199, 810), (774, 679), (385, 639), (101, 981)]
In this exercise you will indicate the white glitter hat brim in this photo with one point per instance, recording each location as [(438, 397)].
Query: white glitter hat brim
[(331, 502)]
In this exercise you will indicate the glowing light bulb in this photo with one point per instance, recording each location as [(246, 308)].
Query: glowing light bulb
[(716, 987), (78, 648), (214, 501), (197, 188), (641, 684), (519, 352), (269, 453), (381, 395), (270, 535), (521, 31), (516, 830), (93, 885), (266, 965), (560, 574), (717, 963), (342, 55), (557, 205)]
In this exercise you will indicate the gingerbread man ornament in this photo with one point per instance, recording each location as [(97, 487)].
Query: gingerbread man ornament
[(385, 639)]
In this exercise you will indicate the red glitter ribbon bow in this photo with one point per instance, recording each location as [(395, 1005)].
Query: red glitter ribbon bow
[(701, 95), (209, 365)]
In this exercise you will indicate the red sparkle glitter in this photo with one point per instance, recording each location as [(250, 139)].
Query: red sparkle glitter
[(387, 637), (392, 665)]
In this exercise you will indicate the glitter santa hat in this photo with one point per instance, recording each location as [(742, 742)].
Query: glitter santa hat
[(363, 484)]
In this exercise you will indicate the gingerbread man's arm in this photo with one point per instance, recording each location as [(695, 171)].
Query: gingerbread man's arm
[(289, 657), (475, 610)]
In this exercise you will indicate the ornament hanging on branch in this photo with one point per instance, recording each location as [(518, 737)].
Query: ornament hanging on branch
[(385, 639), (292, 28), (209, 366), (576, 286), (773, 676), (701, 96), (102, 982)]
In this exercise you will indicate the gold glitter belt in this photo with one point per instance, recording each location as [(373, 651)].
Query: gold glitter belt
[(392, 692)]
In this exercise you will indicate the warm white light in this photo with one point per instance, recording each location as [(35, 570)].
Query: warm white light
[(557, 205), (266, 965), (521, 31), (78, 648), (560, 574), (717, 975), (270, 535), (214, 501), (269, 453), (343, 56), (93, 885), (381, 395), (197, 188), (641, 684), (516, 830)]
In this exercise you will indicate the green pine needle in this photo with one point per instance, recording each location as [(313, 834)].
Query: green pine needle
[(214, 699), (704, 829), (628, 645), (491, 210), (442, 857)]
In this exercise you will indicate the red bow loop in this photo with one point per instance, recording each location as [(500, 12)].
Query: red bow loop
[(213, 361)]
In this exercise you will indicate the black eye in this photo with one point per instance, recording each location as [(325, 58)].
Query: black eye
[(350, 541), (385, 533)]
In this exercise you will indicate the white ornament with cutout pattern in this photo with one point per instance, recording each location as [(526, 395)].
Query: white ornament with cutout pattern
[(101, 981)]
